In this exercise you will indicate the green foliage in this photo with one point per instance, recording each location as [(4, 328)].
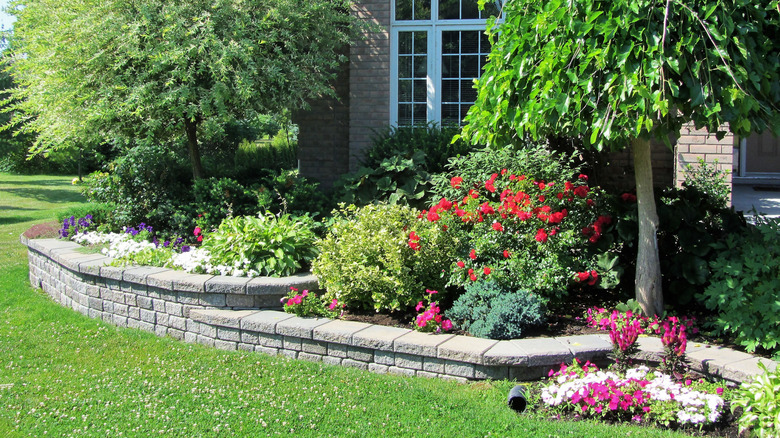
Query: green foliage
[(760, 403), (397, 168), (610, 72), (273, 246), (289, 192), (146, 184), (744, 286), (690, 222), (253, 157), (488, 310), (308, 304), (91, 71), (366, 262), (709, 181), (220, 198), (101, 213)]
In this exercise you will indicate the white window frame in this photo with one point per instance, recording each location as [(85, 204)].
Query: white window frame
[(434, 28)]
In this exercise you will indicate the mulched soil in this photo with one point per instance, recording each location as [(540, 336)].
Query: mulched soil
[(43, 231)]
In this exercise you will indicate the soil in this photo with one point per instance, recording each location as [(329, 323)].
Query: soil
[(43, 231)]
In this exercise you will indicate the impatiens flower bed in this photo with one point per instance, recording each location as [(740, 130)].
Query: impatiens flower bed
[(638, 395)]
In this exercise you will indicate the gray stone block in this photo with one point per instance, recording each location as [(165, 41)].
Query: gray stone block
[(193, 283), (292, 354), (225, 345), (433, 365), (300, 327), (459, 369), (138, 274), (264, 321), (174, 309), (93, 267), (188, 298), (268, 302), (337, 350), (378, 368), (111, 273), (144, 302), (465, 349), (223, 318), (384, 357), (340, 332), (310, 357), (158, 305), (650, 348), (207, 330), (146, 326), (428, 375), (360, 354), (292, 343), (249, 337), (227, 285), (525, 373), (120, 309), (378, 337), (421, 344), (95, 303), (587, 347), (119, 321), (281, 286), (267, 350), (355, 364), (405, 360), (239, 301), (177, 322), (163, 319), (212, 300), (148, 316), (272, 341), (330, 360), (229, 334), (205, 340), (190, 337), (176, 334), (721, 362), (544, 351), (134, 312), (160, 330), (407, 372), (315, 347), (492, 372), (164, 279)]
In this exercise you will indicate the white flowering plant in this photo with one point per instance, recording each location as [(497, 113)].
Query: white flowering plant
[(638, 395)]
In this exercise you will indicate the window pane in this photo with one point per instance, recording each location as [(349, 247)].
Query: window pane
[(404, 91), (469, 42), (464, 109), (469, 9), (491, 9), (450, 114), (468, 94), (449, 91), (403, 9), (420, 66), (450, 41), (449, 9), (422, 9), (484, 43), (404, 66), (405, 43), (420, 115), (420, 91), (404, 114), (469, 66), (420, 43), (450, 66)]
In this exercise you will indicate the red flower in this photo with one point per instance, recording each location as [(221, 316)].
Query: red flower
[(583, 176), (541, 235), (473, 254), (455, 182), (486, 270), (473, 277), (433, 216), (507, 254), (473, 193), (581, 191), (414, 240), (541, 198), (583, 276), (594, 276), (628, 197), (461, 264), (196, 231), (497, 226), (503, 171)]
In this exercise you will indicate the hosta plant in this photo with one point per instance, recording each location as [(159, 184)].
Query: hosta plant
[(760, 402)]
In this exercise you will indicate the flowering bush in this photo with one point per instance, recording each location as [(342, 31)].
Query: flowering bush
[(369, 259), (523, 232), (431, 319), (639, 395), (72, 226), (309, 304)]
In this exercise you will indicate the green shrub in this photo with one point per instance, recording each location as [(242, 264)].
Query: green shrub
[(690, 222), (220, 198), (710, 181), (487, 310), (760, 402), (744, 287), (101, 214), (397, 168), (366, 261), (289, 192), (272, 246)]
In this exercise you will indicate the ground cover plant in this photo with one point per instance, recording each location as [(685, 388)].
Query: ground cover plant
[(64, 374)]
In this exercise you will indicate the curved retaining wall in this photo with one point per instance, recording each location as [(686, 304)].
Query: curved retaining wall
[(228, 313)]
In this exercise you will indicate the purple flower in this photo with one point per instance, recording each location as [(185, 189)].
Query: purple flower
[(185, 248)]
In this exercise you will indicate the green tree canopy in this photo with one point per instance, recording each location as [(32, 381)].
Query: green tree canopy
[(149, 71), (616, 73)]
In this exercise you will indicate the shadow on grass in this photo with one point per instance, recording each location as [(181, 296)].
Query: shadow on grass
[(53, 196), (14, 220), (29, 181)]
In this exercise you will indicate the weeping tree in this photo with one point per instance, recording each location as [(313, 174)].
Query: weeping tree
[(151, 71), (618, 73)]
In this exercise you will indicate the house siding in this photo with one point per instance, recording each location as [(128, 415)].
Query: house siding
[(698, 143)]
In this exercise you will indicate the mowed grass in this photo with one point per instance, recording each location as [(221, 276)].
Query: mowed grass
[(63, 374)]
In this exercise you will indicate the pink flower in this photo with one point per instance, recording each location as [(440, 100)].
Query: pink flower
[(719, 391), (431, 291), (333, 304), (196, 231), (446, 325), (419, 306)]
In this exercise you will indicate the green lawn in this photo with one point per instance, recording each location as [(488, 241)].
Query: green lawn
[(63, 374)]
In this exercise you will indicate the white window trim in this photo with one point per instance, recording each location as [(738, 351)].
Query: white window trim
[(434, 28)]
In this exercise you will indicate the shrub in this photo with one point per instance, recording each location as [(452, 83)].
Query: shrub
[(366, 261), (487, 310), (270, 245), (527, 233), (398, 167), (101, 214), (760, 402), (220, 198), (744, 287), (289, 192), (710, 181)]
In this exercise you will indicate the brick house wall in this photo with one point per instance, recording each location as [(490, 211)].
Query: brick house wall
[(698, 143)]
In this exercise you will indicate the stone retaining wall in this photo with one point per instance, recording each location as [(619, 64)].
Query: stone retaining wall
[(227, 313)]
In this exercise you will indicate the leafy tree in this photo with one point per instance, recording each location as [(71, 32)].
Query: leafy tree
[(150, 71), (618, 73)]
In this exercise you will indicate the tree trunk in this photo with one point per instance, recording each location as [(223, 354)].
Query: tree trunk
[(191, 129), (648, 267)]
